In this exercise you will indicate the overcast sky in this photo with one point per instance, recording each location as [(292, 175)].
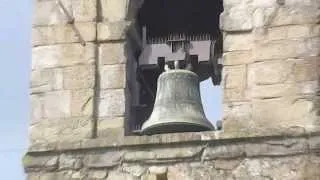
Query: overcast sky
[(15, 54)]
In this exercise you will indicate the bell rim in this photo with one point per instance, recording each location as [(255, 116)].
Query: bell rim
[(201, 127)]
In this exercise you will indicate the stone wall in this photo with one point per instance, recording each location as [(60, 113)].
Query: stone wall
[(83, 52), (191, 156), (271, 65), (78, 69)]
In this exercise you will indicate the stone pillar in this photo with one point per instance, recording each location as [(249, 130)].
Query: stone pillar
[(79, 69), (112, 29), (63, 70), (271, 66)]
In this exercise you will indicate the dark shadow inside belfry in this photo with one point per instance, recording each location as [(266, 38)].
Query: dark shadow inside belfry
[(161, 18)]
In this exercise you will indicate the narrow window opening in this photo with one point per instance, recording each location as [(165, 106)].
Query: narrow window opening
[(164, 28), (212, 97)]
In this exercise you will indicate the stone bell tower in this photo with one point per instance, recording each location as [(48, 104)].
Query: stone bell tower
[(85, 111)]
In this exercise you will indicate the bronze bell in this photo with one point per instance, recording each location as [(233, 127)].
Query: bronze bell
[(178, 106)]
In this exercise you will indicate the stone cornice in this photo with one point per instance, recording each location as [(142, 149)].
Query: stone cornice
[(215, 137)]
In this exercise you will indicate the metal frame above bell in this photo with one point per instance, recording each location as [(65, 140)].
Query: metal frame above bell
[(178, 106)]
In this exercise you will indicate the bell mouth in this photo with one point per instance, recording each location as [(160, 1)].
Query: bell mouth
[(175, 127)]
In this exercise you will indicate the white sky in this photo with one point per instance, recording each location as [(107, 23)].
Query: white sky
[(15, 31)]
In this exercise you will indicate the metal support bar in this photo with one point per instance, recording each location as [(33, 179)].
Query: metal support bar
[(145, 84), (71, 22)]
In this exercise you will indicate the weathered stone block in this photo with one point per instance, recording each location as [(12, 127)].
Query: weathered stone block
[(82, 102), (271, 72), (62, 175), (277, 33), (69, 162), (45, 35), (312, 167), (112, 103), (178, 152), (234, 95), (235, 77), (114, 10), (280, 49), (139, 156), (112, 53), (264, 4), (66, 129), (79, 77), (113, 134), (163, 154), (271, 91), (293, 167), (108, 31), (236, 116), (149, 177), (220, 152), (121, 176), (240, 110), (158, 169), (70, 143), (57, 104), (113, 76), (307, 88), (135, 170), (50, 12), (262, 16), (231, 3), (46, 80), (295, 15), (237, 19), (111, 127), (299, 31), (237, 42), (306, 70), (76, 128), (277, 148), (237, 58), (110, 122), (235, 80), (108, 159), (181, 171), (36, 102), (282, 114), (313, 46), (314, 143), (315, 30), (32, 163), (33, 176), (97, 174), (259, 35), (228, 164), (62, 55), (292, 32), (84, 10)]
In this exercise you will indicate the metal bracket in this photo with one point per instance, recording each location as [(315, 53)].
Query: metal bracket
[(71, 20)]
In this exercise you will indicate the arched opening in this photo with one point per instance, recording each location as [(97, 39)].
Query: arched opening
[(161, 28)]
